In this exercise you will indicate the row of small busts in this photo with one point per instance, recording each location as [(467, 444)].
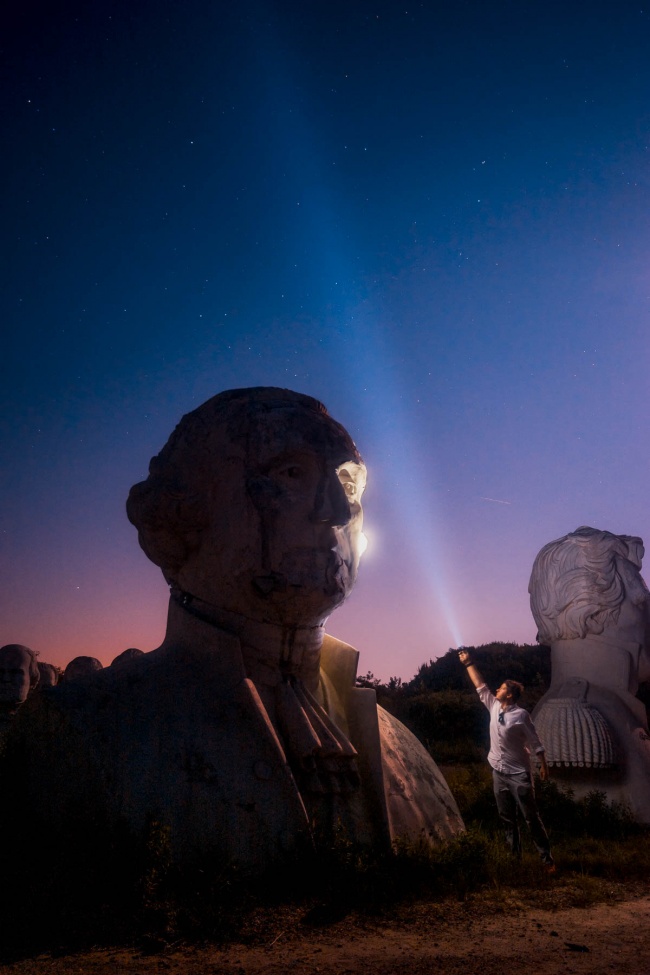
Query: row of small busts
[(21, 672)]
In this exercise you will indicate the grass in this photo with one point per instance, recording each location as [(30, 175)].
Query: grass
[(597, 845), (600, 852)]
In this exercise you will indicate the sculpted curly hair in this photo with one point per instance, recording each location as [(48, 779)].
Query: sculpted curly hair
[(576, 586)]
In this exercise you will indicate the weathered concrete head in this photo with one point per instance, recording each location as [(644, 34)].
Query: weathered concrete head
[(49, 675), (80, 667), (126, 657), (18, 673), (253, 506), (588, 583)]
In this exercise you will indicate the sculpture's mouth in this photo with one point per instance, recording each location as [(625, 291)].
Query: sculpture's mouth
[(310, 573)]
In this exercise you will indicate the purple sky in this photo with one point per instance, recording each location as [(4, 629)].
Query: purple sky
[(433, 217)]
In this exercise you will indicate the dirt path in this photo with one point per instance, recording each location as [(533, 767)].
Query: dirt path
[(603, 938)]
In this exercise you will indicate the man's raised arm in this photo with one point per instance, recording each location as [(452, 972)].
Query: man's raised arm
[(474, 674)]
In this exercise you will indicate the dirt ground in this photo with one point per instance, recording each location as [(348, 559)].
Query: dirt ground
[(483, 937)]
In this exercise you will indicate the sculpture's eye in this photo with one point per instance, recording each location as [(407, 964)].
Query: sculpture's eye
[(298, 471), (352, 478)]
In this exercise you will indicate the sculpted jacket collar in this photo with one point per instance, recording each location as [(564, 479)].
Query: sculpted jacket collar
[(321, 756), (270, 652)]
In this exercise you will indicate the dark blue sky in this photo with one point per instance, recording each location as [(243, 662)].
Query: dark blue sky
[(434, 217)]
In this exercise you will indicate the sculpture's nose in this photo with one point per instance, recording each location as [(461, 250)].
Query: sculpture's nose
[(332, 506)]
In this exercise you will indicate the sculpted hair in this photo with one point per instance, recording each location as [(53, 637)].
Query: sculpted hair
[(576, 587), (171, 507)]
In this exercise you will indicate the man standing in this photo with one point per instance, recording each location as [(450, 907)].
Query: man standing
[(512, 736)]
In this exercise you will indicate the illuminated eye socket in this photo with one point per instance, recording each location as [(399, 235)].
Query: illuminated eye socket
[(349, 486), (353, 481)]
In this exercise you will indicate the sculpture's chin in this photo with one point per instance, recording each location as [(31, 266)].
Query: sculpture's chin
[(305, 589), (340, 580), (316, 572), (300, 588)]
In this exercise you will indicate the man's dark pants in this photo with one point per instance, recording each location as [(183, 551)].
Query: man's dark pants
[(516, 792)]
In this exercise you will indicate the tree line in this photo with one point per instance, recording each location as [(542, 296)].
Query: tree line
[(441, 707)]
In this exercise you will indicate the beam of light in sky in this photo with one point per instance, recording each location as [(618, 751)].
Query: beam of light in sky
[(387, 413), (334, 258), (296, 195)]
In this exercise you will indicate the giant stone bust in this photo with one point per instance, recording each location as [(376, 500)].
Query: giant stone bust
[(243, 734), (19, 675), (592, 607)]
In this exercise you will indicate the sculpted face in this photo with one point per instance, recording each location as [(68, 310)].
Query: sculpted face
[(633, 624), (15, 679), (284, 522)]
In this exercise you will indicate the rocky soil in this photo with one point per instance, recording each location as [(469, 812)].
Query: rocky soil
[(485, 935)]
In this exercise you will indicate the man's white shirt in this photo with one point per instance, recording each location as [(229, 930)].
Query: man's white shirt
[(512, 741)]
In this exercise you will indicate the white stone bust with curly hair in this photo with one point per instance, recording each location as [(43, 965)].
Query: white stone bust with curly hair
[(592, 607), (587, 587)]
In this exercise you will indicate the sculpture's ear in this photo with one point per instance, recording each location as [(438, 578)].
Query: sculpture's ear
[(170, 522), (34, 672)]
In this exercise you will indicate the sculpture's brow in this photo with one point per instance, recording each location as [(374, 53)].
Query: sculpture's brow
[(286, 456)]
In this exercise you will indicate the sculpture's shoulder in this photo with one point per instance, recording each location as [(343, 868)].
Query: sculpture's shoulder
[(411, 794), (91, 702), (176, 739), (339, 660), (167, 681), (419, 800)]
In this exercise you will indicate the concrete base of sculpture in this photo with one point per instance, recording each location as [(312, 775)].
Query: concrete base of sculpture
[(180, 738)]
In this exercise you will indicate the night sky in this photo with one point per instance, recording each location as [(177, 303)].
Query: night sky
[(434, 217)]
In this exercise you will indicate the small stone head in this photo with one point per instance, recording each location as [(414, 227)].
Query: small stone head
[(18, 673), (127, 657), (80, 667), (253, 506), (49, 675), (589, 583)]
